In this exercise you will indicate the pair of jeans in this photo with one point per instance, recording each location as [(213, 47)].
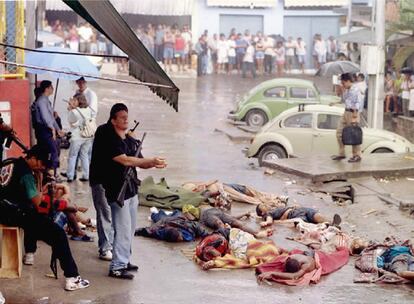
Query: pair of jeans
[(82, 148), (124, 221), (268, 64), (248, 66), (44, 138), (103, 219), (159, 52), (156, 217), (39, 227)]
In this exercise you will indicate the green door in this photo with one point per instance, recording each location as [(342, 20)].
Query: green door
[(298, 130)]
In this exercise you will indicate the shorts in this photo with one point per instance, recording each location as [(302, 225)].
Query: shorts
[(239, 58), (402, 262), (306, 214), (301, 59), (322, 58), (290, 60), (259, 55), (214, 57), (102, 47), (168, 53), (280, 62), (213, 217), (232, 59), (178, 54)]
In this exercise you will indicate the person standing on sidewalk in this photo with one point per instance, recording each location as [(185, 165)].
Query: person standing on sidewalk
[(117, 150), (45, 126), (352, 100)]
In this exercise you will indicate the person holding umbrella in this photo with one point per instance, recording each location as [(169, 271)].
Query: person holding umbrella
[(352, 99)]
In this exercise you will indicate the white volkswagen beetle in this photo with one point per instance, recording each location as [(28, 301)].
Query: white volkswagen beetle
[(312, 129)]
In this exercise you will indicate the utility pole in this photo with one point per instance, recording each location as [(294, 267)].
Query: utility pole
[(31, 18), (349, 17), (376, 82)]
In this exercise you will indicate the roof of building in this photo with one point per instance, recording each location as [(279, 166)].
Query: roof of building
[(313, 3), (242, 3)]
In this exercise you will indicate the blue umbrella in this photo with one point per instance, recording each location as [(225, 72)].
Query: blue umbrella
[(63, 62)]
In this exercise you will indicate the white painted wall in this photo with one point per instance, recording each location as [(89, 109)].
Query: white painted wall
[(208, 17)]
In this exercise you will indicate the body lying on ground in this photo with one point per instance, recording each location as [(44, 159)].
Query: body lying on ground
[(399, 260), (300, 268), (391, 261), (176, 227), (234, 249), (218, 219), (326, 238), (308, 215), (228, 193)]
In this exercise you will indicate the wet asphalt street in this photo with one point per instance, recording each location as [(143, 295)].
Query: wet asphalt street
[(195, 152)]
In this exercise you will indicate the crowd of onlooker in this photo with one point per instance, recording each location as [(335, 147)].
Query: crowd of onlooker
[(265, 54), (399, 91), (224, 53)]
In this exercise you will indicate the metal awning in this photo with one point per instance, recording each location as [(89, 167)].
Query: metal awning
[(139, 7), (310, 3), (104, 17), (363, 36), (242, 3)]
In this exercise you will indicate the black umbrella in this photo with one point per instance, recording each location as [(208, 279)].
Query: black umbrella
[(406, 70), (336, 68)]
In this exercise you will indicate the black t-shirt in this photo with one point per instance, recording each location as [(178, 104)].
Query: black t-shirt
[(97, 166), (109, 146), (17, 183)]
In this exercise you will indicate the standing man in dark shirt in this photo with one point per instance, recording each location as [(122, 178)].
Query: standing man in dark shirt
[(117, 156), (19, 197)]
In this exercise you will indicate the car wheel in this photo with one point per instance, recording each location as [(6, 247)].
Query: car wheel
[(271, 152), (382, 150), (256, 118)]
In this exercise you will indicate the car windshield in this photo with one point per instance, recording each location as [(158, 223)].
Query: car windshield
[(302, 120)]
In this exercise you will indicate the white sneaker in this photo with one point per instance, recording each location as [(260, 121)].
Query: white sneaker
[(106, 256), (76, 283), (28, 258), (154, 210)]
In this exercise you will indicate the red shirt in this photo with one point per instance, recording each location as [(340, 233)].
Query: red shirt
[(179, 44)]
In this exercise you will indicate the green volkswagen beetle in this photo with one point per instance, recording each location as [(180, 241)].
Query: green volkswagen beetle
[(270, 98)]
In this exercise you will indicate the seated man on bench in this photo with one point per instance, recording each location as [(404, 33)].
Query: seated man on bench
[(18, 198)]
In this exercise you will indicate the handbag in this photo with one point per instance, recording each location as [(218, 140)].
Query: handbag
[(352, 135), (89, 126)]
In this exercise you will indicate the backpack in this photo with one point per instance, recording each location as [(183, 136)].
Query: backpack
[(35, 115), (89, 127)]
